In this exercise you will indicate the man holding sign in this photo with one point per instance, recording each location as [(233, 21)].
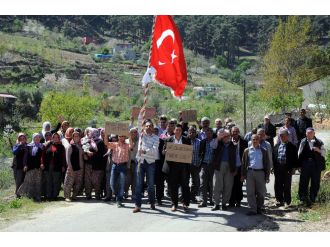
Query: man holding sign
[(178, 163)]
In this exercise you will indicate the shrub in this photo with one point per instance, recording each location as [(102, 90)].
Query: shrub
[(6, 179)]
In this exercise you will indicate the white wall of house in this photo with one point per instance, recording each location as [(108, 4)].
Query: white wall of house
[(311, 90)]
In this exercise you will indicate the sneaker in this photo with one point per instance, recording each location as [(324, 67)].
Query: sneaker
[(215, 208), (67, 200), (251, 213), (136, 210), (202, 205)]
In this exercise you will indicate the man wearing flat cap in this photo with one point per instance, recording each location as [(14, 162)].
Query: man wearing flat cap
[(285, 159)]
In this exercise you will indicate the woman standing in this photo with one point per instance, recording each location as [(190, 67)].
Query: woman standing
[(54, 163), (20, 153), (32, 182), (120, 158), (73, 176)]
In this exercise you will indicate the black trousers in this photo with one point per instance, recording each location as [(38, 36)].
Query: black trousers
[(237, 192), (179, 176), (159, 180), (282, 183), (310, 171)]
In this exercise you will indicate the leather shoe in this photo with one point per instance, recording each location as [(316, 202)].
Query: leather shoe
[(216, 207), (136, 210), (152, 206), (173, 209), (224, 207), (211, 203), (202, 205)]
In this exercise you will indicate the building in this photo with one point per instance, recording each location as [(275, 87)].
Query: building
[(313, 90)]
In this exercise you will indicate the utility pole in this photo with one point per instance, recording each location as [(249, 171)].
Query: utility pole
[(244, 100)]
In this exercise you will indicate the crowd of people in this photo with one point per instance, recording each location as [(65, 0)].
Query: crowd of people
[(118, 167)]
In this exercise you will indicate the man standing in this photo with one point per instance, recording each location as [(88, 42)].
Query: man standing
[(311, 157), (207, 170), (270, 130), (178, 172), (302, 124), (146, 157), (285, 159), (291, 130), (256, 170), (218, 125), (224, 163), (195, 164), (205, 124), (162, 125), (237, 193)]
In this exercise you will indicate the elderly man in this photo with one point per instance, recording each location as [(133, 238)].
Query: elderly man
[(256, 170), (224, 163), (264, 144), (285, 159), (218, 125), (205, 124), (291, 130), (311, 157), (237, 193), (206, 173), (270, 130)]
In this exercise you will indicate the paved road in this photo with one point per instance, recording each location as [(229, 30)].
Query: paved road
[(99, 216)]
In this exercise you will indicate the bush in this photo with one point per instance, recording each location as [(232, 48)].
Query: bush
[(324, 193)]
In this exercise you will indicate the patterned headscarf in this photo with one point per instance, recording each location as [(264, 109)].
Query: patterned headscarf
[(35, 146)]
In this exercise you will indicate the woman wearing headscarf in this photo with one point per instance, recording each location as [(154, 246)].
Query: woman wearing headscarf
[(98, 163), (75, 161), (46, 127), (54, 163), (20, 154), (89, 146), (32, 182)]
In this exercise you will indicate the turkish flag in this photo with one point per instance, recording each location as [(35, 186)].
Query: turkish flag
[(167, 58)]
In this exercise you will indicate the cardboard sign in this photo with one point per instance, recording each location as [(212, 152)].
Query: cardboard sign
[(150, 112), (179, 153), (120, 129), (189, 115)]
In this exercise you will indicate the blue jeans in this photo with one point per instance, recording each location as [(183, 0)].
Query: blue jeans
[(118, 172), (148, 170)]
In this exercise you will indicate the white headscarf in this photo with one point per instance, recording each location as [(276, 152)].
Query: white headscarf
[(44, 125), (35, 146)]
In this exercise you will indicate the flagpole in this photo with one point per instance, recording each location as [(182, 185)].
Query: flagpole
[(146, 90)]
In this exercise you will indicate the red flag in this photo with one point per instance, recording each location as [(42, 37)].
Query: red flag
[(167, 56)]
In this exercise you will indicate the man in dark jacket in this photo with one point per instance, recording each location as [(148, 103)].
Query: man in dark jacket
[(302, 124), (237, 193), (311, 158), (270, 130), (285, 159), (224, 164), (178, 172)]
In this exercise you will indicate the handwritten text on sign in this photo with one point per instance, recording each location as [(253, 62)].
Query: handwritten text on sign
[(150, 112), (120, 129), (179, 153), (189, 116)]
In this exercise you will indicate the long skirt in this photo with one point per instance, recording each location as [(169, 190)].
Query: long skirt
[(31, 186)]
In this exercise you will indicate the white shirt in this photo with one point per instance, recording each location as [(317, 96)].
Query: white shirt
[(178, 141)]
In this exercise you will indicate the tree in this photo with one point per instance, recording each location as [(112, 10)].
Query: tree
[(77, 109), (284, 64)]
